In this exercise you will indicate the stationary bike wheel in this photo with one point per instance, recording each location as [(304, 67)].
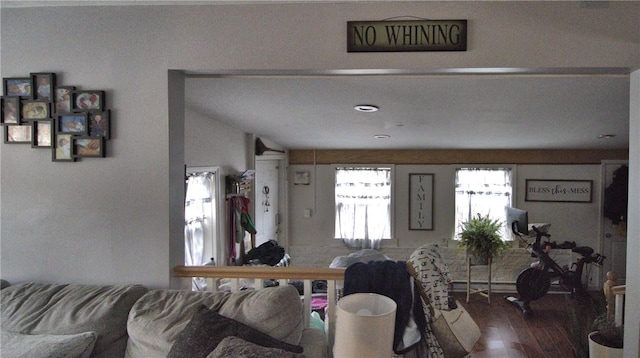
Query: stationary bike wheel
[(532, 284)]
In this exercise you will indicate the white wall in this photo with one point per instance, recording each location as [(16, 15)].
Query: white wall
[(114, 219), (577, 222)]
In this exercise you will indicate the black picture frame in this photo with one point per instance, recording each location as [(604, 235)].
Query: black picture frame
[(42, 134), (61, 148), (74, 123), (87, 100), (100, 124), (33, 110), (87, 147), (559, 190), (17, 87), (17, 134), (62, 98), (43, 84), (11, 110)]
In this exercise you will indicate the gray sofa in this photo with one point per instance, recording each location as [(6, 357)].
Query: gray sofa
[(49, 320)]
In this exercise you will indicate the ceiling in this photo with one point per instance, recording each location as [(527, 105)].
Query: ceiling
[(462, 109)]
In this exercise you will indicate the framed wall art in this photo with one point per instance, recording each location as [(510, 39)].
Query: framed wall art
[(71, 123), (420, 201), (11, 110), (19, 133), (17, 87), (88, 146), (35, 109), (87, 100), (43, 85), (62, 148), (568, 191), (99, 124), (42, 133), (63, 98)]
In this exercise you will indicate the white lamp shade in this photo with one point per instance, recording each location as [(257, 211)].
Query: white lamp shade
[(365, 324)]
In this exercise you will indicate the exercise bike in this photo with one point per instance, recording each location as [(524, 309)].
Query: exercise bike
[(534, 282)]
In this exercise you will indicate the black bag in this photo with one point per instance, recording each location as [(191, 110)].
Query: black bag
[(269, 253)]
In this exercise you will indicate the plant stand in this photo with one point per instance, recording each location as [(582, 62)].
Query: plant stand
[(485, 292)]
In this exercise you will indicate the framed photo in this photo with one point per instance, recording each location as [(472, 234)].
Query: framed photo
[(302, 178), (35, 109), (100, 124), (72, 123), (567, 191), (87, 100), (420, 201), (11, 110), (63, 98), (42, 134), (43, 85), (62, 148), (17, 87), (19, 133), (88, 147)]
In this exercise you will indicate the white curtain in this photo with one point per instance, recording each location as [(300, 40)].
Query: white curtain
[(197, 209), (483, 191), (363, 206)]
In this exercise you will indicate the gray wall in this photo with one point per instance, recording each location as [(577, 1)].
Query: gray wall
[(117, 219)]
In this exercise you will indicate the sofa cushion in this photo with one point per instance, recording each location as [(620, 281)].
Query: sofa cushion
[(160, 315), (235, 347), (208, 328), (46, 345), (38, 308)]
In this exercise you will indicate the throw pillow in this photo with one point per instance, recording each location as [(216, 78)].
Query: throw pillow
[(234, 347), (207, 329), (47, 345)]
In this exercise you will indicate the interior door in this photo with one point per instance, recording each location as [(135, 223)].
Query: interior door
[(614, 235), (267, 199)]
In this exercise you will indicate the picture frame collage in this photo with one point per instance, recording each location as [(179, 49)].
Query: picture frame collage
[(73, 123)]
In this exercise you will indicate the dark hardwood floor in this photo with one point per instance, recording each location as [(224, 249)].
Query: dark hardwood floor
[(558, 326)]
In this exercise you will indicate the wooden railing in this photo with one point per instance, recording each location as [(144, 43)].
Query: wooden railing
[(213, 274)]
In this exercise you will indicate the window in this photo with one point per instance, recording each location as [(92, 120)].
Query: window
[(483, 191), (363, 206), (200, 221)]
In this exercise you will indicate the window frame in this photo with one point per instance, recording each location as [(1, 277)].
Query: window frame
[(392, 241), (514, 192)]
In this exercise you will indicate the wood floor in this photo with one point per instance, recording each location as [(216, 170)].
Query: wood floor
[(551, 331)]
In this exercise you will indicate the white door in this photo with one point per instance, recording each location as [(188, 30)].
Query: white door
[(614, 236), (267, 199)]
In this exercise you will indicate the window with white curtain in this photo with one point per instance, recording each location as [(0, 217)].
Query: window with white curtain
[(363, 206), (199, 222), (483, 191)]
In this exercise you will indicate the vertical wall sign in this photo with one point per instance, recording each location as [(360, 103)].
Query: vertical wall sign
[(420, 201), (407, 35)]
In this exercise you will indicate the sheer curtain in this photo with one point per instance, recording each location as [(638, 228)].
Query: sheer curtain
[(363, 206), (482, 191), (197, 209)]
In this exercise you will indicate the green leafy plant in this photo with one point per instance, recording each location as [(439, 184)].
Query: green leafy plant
[(607, 333), (480, 235)]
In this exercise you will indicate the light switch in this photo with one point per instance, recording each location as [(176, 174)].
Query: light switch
[(307, 213)]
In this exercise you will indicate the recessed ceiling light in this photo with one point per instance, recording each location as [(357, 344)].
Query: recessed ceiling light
[(606, 136), (366, 108), (381, 136)]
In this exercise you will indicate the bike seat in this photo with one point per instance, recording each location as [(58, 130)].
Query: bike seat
[(583, 250)]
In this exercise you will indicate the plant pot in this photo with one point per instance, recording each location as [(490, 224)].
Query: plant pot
[(597, 350)]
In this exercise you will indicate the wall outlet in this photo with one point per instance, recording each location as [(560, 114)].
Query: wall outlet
[(307, 213)]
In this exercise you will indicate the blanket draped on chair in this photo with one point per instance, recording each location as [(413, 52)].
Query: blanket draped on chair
[(391, 279)]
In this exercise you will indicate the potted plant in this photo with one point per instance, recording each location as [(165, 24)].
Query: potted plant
[(605, 340), (480, 236)]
